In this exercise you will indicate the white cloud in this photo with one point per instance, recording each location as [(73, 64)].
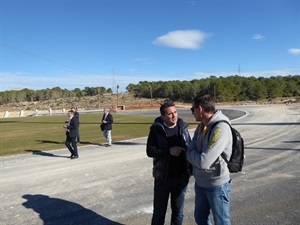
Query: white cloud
[(18, 81), (144, 60), (193, 3), (261, 73), (258, 37), (294, 51), (184, 39), (141, 59), (13, 81)]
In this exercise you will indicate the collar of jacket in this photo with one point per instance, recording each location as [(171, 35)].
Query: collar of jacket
[(160, 122)]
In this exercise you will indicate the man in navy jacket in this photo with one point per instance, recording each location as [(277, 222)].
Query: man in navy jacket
[(71, 135), (106, 126), (167, 144)]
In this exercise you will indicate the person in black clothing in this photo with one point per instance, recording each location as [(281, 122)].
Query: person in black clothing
[(76, 115), (71, 134), (106, 126), (167, 144)]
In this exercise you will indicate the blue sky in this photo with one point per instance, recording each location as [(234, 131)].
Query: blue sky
[(90, 43)]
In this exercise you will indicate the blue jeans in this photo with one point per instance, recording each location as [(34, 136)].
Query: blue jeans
[(162, 189), (107, 135), (216, 199)]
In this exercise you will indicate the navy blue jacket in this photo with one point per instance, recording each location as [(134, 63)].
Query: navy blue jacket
[(158, 148), (73, 127), (109, 120)]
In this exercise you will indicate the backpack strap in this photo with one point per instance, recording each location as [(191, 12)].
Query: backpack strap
[(210, 130)]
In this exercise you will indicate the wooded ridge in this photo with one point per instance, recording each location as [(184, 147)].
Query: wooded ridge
[(224, 89)]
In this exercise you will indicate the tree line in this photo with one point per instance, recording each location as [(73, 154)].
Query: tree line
[(224, 89), (49, 94)]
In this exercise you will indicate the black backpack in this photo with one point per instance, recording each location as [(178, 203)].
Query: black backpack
[(236, 161)]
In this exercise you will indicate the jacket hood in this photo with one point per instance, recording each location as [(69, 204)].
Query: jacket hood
[(180, 122), (217, 117)]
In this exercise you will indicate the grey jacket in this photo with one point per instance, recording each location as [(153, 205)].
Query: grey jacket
[(204, 152)]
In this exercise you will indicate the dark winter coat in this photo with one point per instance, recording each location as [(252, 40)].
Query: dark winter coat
[(158, 148), (109, 121)]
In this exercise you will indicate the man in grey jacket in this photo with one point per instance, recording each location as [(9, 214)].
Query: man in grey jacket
[(212, 177)]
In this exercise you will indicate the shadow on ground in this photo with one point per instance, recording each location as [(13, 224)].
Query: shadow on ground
[(41, 153), (57, 211)]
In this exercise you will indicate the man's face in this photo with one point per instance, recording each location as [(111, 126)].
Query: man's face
[(70, 114), (196, 112), (170, 117)]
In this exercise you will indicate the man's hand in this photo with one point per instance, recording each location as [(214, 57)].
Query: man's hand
[(176, 150)]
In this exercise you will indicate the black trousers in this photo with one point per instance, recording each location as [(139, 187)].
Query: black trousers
[(71, 145)]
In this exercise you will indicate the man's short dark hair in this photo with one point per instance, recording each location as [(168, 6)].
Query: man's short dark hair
[(206, 102), (164, 106)]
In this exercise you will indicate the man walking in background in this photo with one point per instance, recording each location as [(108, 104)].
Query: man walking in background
[(76, 115), (213, 183), (167, 144), (71, 134), (106, 126)]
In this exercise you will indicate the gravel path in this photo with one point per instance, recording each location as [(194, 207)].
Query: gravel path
[(114, 185)]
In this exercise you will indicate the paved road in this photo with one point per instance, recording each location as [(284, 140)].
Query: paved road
[(114, 185)]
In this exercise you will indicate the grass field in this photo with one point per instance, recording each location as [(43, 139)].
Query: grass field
[(42, 133)]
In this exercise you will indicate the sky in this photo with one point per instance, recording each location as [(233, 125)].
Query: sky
[(113, 43)]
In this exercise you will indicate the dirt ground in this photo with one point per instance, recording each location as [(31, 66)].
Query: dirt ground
[(111, 101), (114, 186)]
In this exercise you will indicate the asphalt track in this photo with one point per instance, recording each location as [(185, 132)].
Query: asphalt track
[(114, 185)]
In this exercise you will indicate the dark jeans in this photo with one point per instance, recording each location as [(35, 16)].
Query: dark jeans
[(78, 136), (71, 145), (162, 189)]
